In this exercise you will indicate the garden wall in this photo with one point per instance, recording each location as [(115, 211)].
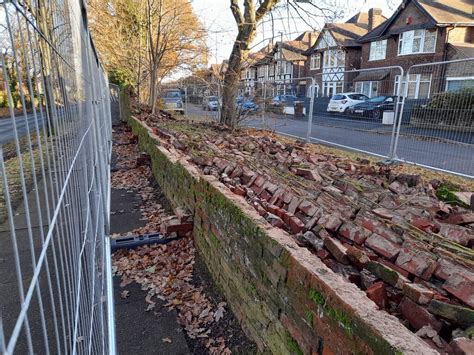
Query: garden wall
[(286, 299)]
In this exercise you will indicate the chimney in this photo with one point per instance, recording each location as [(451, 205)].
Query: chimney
[(375, 18)]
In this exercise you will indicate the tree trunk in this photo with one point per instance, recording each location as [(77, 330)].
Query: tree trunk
[(232, 75)]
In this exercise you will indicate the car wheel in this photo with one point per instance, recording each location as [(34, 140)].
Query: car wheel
[(346, 111), (377, 114)]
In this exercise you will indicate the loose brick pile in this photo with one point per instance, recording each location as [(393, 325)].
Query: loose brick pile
[(386, 232)]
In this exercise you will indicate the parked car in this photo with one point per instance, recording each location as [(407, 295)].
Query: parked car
[(374, 107), (247, 106), (342, 102), (173, 100), (210, 103), (283, 100)]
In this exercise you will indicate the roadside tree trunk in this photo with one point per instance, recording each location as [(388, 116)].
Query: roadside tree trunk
[(247, 27)]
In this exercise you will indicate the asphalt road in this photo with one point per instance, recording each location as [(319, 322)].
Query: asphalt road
[(6, 127), (451, 151)]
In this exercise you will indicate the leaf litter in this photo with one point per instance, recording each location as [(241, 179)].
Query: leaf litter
[(164, 272)]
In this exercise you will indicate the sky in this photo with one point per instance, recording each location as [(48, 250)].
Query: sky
[(217, 18)]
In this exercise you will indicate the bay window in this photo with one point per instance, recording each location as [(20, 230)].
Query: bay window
[(418, 86), (417, 41), (378, 50)]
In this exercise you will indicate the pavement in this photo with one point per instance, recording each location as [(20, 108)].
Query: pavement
[(138, 331), (440, 149)]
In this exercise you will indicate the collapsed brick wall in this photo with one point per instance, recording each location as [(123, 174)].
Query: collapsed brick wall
[(287, 300)]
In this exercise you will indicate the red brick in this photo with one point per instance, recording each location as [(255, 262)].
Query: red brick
[(260, 180), (462, 286), (418, 293), (313, 221), (295, 224), (331, 222), (353, 232), (357, 257), (309, 174), (323, 254), (337, 250), (175, 226), (275, 220), (383, 212), (425, 224), (378, 294), (416, 261), (417, 315), (397, 188), (456, 234), (308, 208), (264, 195), (383, 246), (239, 191), (395, 267), (446, 268), (460, 218), (462, 346), (293, 206)]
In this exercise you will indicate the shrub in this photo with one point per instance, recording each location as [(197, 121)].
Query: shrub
[(462, 99)]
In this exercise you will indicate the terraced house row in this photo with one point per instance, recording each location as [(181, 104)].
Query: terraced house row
[(381, 53)]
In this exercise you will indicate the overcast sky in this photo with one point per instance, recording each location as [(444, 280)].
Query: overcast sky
[(218, 20)]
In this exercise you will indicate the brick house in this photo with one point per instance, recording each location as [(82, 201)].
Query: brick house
[(337, 50), (419, 31), (281, 64)]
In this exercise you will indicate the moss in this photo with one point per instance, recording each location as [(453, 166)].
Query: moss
[(309, 317), (293, 346), (445, 193), (336, 315)]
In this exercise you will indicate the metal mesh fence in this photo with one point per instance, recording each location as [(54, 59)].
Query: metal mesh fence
[(436, 127), (55, 146), (421, 116)]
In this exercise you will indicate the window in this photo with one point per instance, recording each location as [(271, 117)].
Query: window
[(332, 88), (368, 88), (315, 61), (418, 86), (459, 83), (417, 41), (334, 58), (378, 50)]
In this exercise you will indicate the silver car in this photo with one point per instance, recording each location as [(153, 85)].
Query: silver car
[(173, 100)]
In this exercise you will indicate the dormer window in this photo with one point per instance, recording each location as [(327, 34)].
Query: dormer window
[(378, 50), (417, 41)]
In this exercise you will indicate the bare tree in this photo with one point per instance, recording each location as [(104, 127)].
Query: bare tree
[(247, 29)]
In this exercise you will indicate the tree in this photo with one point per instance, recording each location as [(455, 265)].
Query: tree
[(145, 41), (247, 28)]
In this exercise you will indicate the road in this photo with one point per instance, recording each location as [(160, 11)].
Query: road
[(6, 127), (434, 148)]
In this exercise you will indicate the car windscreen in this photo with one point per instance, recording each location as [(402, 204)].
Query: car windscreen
[(173, 95), (212, 98), (377, 99), (338, 97)]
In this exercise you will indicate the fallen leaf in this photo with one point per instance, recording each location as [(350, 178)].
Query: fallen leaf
[(166, 340), (125, 294)]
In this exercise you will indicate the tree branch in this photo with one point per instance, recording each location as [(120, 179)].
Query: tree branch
[(234, 7)]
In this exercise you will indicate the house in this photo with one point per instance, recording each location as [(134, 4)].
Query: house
[(249, 70), (283, 63), (337, 50), (419, 32)]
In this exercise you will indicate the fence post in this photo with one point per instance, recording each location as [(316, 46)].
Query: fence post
[(310, 114)]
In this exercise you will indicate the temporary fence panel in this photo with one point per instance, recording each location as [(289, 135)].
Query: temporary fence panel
[(436, 128), (357, 109), (203, 100), (280, 104), (55, 147)]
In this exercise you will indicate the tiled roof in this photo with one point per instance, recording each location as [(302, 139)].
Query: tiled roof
[(441, 12)]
